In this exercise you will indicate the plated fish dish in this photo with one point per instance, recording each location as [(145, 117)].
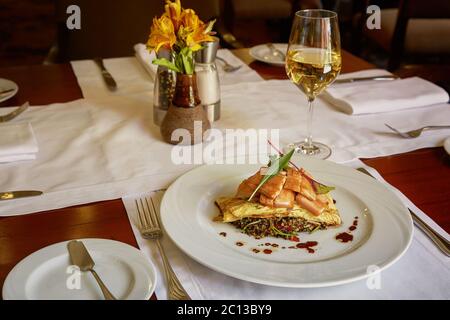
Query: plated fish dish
[(279, 200)]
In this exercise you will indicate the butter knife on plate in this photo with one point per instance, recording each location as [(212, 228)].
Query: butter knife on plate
[(109, 80), (11, 195), (80, 257)]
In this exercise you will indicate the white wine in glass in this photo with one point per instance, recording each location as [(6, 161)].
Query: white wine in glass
[(313, 62)]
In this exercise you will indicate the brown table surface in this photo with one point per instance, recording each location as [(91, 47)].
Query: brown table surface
[(423, 175)]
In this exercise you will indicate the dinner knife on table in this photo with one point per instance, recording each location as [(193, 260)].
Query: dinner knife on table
[(372, 78), (109, 80), (10, 195)]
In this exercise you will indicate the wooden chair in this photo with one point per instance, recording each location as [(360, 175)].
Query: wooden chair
[(431, 36), (112, 28)]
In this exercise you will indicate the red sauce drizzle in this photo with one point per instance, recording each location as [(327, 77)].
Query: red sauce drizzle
[(223, 234), (255, 250), (267, 251), (239, 244), (307, 245), (344, 237), (354, 225)]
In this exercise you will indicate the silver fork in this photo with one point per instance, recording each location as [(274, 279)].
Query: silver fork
[(149, 227), (228, 67), (417, 132), (276, 52), (15, 113)]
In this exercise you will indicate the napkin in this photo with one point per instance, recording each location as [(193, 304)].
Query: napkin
[(17, 143), (145, 57), (366, 97)]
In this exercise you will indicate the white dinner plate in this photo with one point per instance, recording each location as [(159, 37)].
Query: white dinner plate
[(447, 145), (383, 234), (264, 54), (6, 84), (44, 274)]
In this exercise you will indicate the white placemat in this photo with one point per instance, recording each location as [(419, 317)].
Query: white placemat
[(105, 148), (422, 273), (132, 77)]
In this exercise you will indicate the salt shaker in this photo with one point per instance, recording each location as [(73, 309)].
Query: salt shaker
[(208, 79)]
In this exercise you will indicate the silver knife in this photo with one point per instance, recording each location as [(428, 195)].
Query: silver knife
[(80, 257), (10, 195), (374, 78), (438, 240), (109, 80)]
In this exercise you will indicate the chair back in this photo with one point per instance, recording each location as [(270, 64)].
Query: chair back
[(414, 9)]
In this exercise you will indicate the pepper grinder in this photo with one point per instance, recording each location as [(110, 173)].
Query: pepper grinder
[(208, 79), (164, 88)]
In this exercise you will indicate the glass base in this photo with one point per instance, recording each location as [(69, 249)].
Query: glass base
[(317, 150)]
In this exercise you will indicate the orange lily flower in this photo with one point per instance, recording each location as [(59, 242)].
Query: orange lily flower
[(162, 34), (193, 31), (173, 11)]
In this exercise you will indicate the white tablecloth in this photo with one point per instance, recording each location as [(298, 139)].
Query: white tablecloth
[(98, 149), (106, 146)]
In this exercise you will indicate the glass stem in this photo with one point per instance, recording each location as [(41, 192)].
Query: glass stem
[(308, 140)]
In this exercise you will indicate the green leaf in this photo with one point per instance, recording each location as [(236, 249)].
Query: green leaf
[(321, 188), (210, 26), (179, 62), (188, 61), (275, 167), (166, 63)]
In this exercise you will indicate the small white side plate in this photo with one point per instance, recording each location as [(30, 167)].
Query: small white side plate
[(6, 84), (447, 145), (46, 275), (264, 54)]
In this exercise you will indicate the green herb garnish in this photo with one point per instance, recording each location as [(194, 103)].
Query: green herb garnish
[(281, 233), (276, 165), (321, 188)]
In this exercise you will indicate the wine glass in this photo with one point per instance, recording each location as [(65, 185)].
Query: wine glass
[(313, 62)]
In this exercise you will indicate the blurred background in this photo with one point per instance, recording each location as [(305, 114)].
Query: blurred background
[(414, 38)]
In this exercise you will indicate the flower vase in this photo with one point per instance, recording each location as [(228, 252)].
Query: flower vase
[(185, 122)]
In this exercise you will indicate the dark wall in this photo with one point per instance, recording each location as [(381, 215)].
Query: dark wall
[(27, 30)]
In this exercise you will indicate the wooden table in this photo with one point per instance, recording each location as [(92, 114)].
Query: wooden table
[(423, 175)]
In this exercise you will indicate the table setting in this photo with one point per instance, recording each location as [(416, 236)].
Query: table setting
[(119, 152)]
